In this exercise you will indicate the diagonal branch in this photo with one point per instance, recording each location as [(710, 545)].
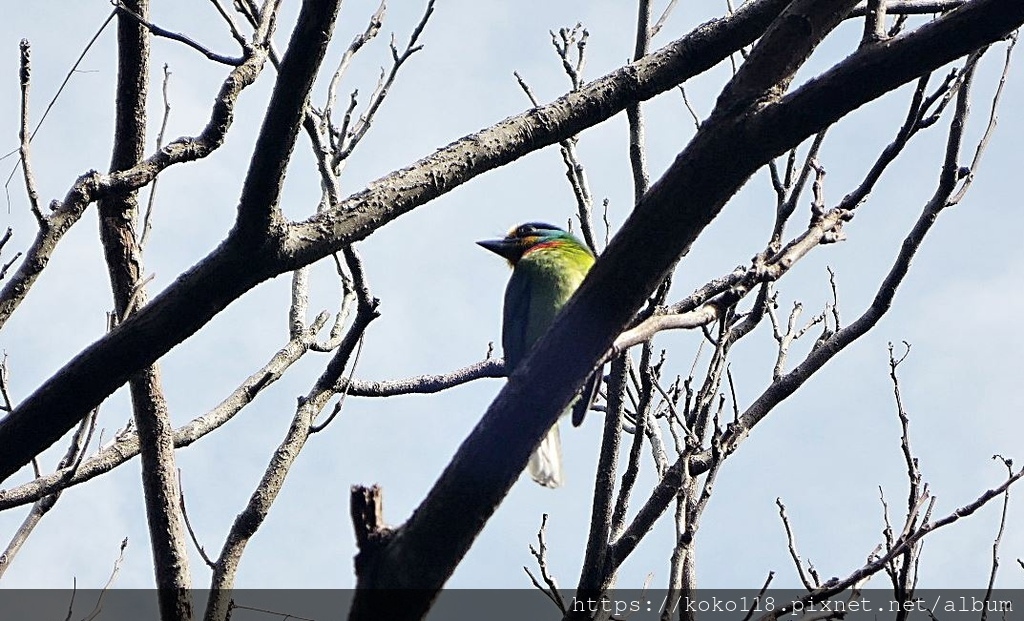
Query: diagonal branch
[(490, 460), (126, 446), (259, 212), (226, 273), (119, 215), (93, 186), (26, 138), (730, 146)]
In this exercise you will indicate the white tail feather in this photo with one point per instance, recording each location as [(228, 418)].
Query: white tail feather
[(545, 466)]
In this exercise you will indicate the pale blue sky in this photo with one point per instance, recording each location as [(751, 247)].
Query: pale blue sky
[(824, 452)]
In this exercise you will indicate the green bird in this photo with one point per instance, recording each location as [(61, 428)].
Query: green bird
[(548, 264)]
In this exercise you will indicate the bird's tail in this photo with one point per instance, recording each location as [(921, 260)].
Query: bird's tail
[(545, 465)]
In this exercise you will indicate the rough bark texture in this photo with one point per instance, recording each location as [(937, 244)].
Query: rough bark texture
[(730, 147), (118, 219), (752, 123), (235, 267)]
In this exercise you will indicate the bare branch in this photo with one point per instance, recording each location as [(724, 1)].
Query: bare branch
[(661, 20), (309, 407), (909, 7), (93, 186), (355, 135), (594, 575), (760, 594), (689, 107), (632, 470), (235, 32), (874, 22), (998, 538), (126, 446), (791, 539), (990, 128), (785, 386), (23, 134), (157, 31), (540, 553), (98, 608), (376, 21), (423, 384), (123, 256), (883, 298), (72, 458), (634, 115), (192, 533), (147, 224), (909, 539), (67, 78)]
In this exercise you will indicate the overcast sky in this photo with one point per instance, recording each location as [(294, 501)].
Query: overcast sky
[(825, 451)]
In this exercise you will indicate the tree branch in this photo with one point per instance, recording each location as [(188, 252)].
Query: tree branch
[(216, 281), (93, 186), (731, 145), (427, 548), (119, 214)]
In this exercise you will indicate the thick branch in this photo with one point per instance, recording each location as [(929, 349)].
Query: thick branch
[(427, 548), (233, 268), (729, 147), (782, 388), (400, 192), (259, 214), (93, 186), (126, 446), (118, 220), (207, 288)]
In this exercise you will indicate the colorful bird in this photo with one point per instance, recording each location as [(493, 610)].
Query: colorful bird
[(548, 264)]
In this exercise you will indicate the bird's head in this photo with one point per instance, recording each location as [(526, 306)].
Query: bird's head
[(524, 237)]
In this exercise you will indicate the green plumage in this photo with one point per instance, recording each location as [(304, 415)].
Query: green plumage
[(548, 264)]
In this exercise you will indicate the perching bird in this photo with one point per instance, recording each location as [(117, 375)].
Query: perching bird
[(548, 264)]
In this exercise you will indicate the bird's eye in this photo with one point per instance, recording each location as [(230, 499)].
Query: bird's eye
[(526, 229)]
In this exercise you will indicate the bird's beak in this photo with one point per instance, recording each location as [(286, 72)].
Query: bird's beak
[(501, 247)]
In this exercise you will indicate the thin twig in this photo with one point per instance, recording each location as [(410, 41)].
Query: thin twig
[(993, 120), (656, 28), (64, 83), (343, 392), (23, 134), (98, 608), (540, 553), (355, 135), (689, 107), (157, 31), (235, 32), (188, 524), (791, 539), (998, 538), (146, 219)]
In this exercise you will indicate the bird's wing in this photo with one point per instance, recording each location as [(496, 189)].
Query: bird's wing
[(516, 318), (587, 396)]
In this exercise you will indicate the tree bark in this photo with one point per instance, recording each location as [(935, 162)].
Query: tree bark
[(752, 123), (118, 220), (240, 262)]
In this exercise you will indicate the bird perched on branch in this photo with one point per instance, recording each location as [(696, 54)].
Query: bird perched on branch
[(548, 264)]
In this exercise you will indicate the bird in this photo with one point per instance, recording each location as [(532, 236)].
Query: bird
[(548, 264)]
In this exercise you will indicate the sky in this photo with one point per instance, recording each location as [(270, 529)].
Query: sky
[(826, 451)]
